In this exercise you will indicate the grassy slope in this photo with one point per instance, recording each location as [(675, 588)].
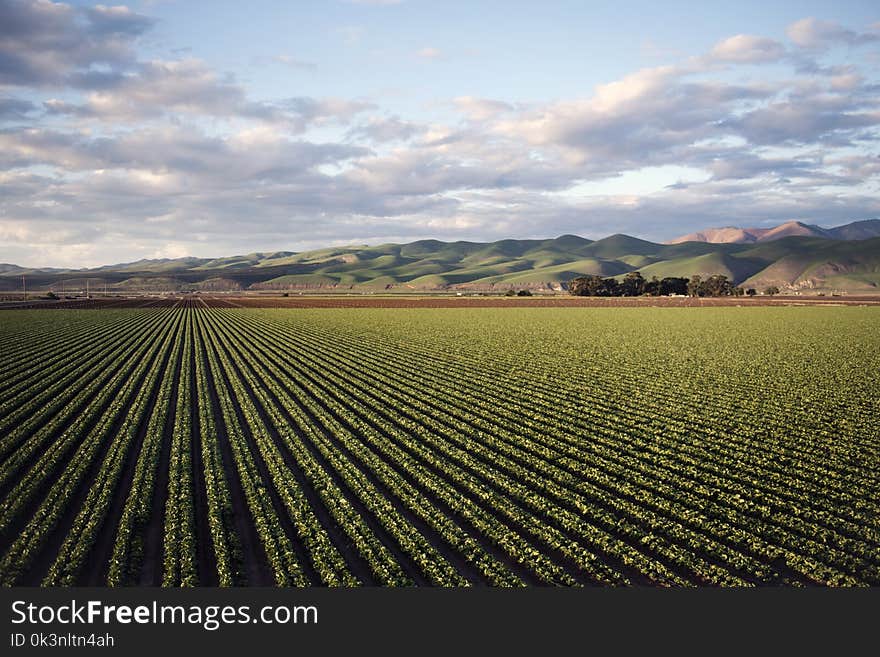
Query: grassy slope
[(735, 268), (824, 265)]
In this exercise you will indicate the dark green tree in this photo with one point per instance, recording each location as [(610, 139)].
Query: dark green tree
[(593, 286), (673, 285), (632, 285), (718, 285), (652, 287)]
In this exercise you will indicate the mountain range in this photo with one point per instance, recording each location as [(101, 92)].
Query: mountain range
[(790, 256), (857, 230)]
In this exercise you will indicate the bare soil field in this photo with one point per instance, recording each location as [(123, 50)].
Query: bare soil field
[(437, 301), (525, 302), (96, 304)]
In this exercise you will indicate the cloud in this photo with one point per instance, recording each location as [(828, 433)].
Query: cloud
[(44, 43), (802, 123), (749, 166), (320, 111), (481, 109), (385, 129), (117, 20), (653, 116), (258, 154), (376, 3), (815, 34), (190, 87), (15, 108), (747, 49), (846, 81), (158, 87), (429, 53)]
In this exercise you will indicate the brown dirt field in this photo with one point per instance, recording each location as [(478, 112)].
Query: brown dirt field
[(339, 301), (528, 302), (97, 304)]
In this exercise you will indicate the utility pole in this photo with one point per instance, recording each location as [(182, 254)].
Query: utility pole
[(24, 287), (88, 294)]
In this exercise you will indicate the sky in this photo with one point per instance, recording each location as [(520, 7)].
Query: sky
[(167, 128)]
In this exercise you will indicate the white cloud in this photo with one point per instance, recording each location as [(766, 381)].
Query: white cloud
[(846, 81), (160, 89), (644, 118), (385, 129), (816, 34), (481, 109), (745, 48)]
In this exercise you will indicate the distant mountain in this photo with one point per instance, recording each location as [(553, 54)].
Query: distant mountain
[(790, 260), (725, 235), (858, 230)]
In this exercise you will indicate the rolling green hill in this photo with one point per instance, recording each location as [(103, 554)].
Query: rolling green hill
[(793, 263), (823, 265), (734, 267)]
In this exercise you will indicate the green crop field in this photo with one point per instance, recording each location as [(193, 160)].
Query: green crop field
[(448, 447)]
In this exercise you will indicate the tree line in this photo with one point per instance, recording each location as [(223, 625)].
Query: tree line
[(634, 284)]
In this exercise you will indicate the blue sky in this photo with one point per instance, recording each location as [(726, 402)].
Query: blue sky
[(514, 51), (168, 128)]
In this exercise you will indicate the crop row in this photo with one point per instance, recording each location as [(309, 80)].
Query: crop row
[(190, 445)]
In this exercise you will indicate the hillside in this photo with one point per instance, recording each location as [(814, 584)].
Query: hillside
[(857, 230), (791, 262), (823, 265)]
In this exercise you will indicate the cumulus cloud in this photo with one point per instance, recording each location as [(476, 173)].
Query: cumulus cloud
[(190, 87), (831, 118), (15, 108), (258, 154), (44, 43), (118, 19), (749, 166), (745, 48), (650, 117), (325, 109), (816, 34), (480, 109), (157, 87), (385, 129)]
